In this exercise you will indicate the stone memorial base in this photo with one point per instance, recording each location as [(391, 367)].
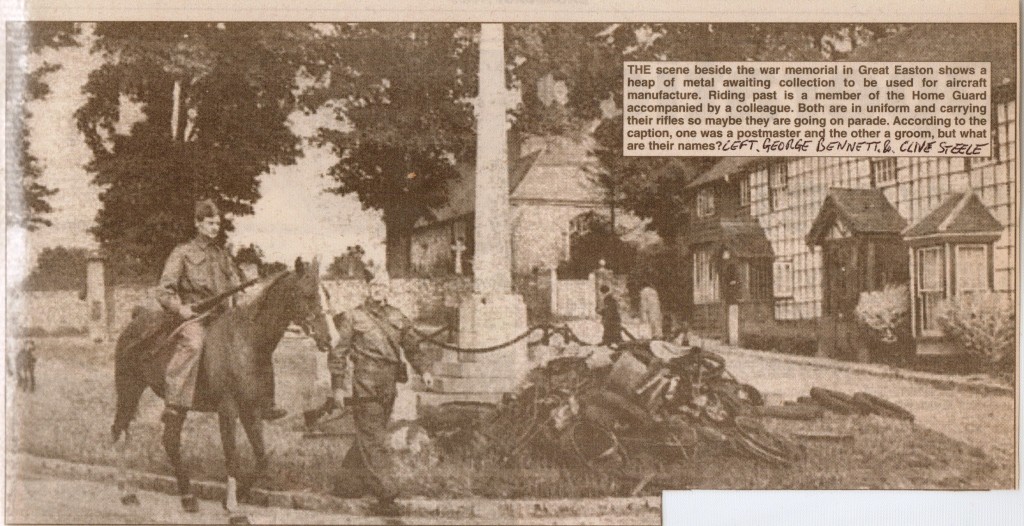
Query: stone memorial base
[(484, 320)]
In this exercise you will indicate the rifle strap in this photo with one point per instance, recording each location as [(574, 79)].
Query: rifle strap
[(389, 333)]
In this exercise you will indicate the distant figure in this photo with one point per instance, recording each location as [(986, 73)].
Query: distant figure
[(25, 367), (650, 310), (611, 320)]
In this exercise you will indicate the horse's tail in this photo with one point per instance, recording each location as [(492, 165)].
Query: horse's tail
[(129, 377)]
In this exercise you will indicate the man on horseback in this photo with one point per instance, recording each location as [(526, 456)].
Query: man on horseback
[(195, 271), (374, 336)]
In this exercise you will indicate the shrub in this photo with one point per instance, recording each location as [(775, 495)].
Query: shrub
[(885, 310), (983, 324)]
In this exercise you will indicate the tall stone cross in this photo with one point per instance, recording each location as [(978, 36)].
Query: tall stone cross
[(492, 315), (492, 260)]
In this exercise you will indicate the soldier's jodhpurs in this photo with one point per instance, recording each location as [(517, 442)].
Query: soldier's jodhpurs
[(183, 368), (373, 400)]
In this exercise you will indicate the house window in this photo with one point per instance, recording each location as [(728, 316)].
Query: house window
[(778, 182), (758, 280), (705, 277), (782, 277), (930, 286), (745, 190), (883, 171), (706, 203), (971, 268)]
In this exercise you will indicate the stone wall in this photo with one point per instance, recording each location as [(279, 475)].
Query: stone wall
[(66, 311), (434, 300), (417, 298)]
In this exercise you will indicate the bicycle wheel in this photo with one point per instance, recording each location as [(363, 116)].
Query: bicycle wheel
[(765, 445)]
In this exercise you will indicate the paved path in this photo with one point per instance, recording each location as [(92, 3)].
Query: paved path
[(983, 420), (39, 498)]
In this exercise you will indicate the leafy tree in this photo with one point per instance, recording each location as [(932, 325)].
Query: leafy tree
[(269, 269), (350, 265), (26, 202), (215, 100), (59, 268), (249, 254), (403, 90)]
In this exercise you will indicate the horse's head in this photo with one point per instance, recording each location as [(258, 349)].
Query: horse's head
[(311, 308)]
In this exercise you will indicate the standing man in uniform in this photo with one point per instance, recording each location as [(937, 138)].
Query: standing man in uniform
[(374, 336), (195, 271), (650, 310)]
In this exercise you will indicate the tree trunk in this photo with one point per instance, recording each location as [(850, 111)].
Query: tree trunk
[(398, 255)]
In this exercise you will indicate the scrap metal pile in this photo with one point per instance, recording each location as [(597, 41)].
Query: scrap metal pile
[(642, 399)]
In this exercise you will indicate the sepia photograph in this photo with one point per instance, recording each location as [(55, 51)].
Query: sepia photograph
[(503, 272)]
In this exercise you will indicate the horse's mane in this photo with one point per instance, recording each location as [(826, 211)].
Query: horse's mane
[(254, 307)]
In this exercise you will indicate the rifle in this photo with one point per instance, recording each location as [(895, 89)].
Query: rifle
[(204, 308)]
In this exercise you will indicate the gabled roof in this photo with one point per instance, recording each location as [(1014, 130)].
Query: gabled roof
[(862, 211), (555, 169), (744, 237), (462, 191), (995, 43), (723, 169), (960, 213)]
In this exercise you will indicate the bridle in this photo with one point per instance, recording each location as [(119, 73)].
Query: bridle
[(327, 316)]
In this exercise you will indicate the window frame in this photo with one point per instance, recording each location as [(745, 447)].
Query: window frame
[(778, 185), (984, 268), (881, 166), (744, 187), (783, 268), (706, 202), (941, 271), (705, 277)]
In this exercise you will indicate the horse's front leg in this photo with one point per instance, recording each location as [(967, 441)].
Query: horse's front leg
[(228, 414), (252, 422), (172, 444)]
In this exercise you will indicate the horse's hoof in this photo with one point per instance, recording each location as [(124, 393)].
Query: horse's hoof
[(190, 504), (238, 519), (130, 500)]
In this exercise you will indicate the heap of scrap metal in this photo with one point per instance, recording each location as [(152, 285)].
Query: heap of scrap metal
[(601, 407)]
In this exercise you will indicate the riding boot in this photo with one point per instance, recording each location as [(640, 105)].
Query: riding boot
[(313, 416)]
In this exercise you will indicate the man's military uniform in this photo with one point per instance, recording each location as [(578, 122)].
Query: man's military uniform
[(195, 271), (374, 336)]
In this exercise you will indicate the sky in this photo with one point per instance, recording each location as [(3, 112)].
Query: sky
[(293, 218)]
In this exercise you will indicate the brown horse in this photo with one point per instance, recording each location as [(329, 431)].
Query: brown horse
[(232, 376)]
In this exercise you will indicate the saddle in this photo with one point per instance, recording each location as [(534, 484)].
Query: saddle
[(149, 338)]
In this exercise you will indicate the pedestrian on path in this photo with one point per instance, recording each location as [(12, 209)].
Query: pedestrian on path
[(650, 310), (611, 319)]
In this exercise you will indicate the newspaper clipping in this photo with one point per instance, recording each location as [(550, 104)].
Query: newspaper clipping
[(510, 265)]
